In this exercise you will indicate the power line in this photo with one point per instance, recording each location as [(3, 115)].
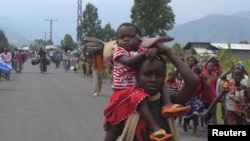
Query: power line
[(51, 20)]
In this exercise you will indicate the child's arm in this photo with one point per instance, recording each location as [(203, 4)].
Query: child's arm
[(131, 61), (213, 104), (191, 80), (151, 53), (224, 75)]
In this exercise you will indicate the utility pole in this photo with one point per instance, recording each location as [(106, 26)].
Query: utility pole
[(45, 33), (51, 20), (79, 20)]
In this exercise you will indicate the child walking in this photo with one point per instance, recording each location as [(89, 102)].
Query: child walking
[(75, 61), (237, 99), (196, 104), (173, 86)]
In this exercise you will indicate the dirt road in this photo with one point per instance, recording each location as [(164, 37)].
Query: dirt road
[(55, 106)]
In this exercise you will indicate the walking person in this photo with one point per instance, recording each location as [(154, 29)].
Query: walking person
[(173, 86), (97, 72), (74, 62), (128, 54), (196, 104), (18, 61), (209, 80), (223, 79), (66, 60), (42, 56), (192, 62), (57, 58), (89, 62), (127, 122), (7, 57), (83, 60), (237, 99)]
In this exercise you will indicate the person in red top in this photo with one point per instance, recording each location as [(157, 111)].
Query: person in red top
[(97, 72), (19, 61), (125, 57), (209, 80), (216, 70), (123, 114), (171, 83)]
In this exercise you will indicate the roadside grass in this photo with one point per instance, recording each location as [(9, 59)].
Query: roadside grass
[(219, 113)]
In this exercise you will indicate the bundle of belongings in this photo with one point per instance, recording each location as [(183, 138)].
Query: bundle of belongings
[(93, 45), (4, 68)]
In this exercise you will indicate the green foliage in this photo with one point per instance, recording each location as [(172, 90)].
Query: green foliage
[(91, 25), (108, 33), (226, 60), (177, 49), (153, 17), (246, 63), (3, 41), (3, 38), (68, 43), (37, 44), (244, 42)]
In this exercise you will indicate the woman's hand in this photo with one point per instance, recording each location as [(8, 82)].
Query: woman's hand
[(151, 53)]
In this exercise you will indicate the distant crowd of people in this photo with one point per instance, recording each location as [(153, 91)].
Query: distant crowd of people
[(13, 59)]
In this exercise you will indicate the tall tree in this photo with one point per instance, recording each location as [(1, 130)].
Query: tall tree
[(68, 43), (154, 17), (108, 33), (177, 49), (3, 41), (37, 44), (91, 25)]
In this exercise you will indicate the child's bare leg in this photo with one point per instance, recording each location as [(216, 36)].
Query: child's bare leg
[(195, 124), (147, 115)]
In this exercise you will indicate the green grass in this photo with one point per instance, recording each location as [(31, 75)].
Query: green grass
[(218, 113)]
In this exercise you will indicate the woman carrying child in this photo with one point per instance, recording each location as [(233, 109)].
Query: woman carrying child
[(132, 95)]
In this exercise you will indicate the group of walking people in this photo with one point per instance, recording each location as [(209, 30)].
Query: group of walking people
[(65, 57), (230, 88), (13, 59), (145, 103), (140, 107)]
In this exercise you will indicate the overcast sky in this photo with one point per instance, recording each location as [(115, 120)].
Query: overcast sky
[(64, 12)]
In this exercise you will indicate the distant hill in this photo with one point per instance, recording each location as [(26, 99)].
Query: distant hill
[(16, 33), (211, 28), (214, 28)]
